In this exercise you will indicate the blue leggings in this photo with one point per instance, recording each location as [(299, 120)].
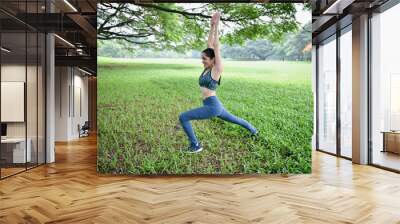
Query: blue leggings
[(211, 107)]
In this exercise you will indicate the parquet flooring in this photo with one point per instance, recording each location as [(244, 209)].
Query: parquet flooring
[(70, 191)]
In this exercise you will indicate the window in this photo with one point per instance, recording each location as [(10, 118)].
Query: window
[(385, 89), (22, 77), (346, 92), (327, 95)]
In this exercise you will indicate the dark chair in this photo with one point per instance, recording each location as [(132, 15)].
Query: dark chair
[(84, 130)]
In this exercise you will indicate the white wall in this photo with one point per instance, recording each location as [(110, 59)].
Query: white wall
[(79, 91), (35, 123), (10, 72), (69, 85), (62, 81)]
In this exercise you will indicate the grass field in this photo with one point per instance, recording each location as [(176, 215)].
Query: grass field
[(139, 101)]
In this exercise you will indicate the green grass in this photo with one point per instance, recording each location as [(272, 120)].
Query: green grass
[(139, 101)]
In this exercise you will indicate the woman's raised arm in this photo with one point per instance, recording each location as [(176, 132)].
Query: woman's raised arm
[(213, 23), (217, 70), (210, 42)]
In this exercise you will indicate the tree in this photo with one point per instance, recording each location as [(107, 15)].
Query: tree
[(296, 42), (252, 50), (292, 47), (261, 49), (184, 26)]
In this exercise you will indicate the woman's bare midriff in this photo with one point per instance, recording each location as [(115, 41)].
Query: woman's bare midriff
[(205, 92)]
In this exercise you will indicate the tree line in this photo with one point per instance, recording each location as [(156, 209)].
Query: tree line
[(292, 47)]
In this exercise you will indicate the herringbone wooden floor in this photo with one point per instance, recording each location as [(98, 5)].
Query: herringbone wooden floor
[(70, 191)]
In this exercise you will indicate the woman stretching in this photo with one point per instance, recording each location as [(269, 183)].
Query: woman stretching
[(212, 61)]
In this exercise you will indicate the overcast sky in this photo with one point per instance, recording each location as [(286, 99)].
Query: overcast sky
[(302, 16)]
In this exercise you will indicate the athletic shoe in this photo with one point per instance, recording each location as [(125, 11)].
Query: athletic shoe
[(195, 149), (254, 135), (259, 138)]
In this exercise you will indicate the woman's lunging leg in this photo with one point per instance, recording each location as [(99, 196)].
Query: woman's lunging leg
[(204, 112), (226, 116)]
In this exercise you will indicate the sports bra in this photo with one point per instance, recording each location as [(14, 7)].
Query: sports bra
[(207, 81)]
